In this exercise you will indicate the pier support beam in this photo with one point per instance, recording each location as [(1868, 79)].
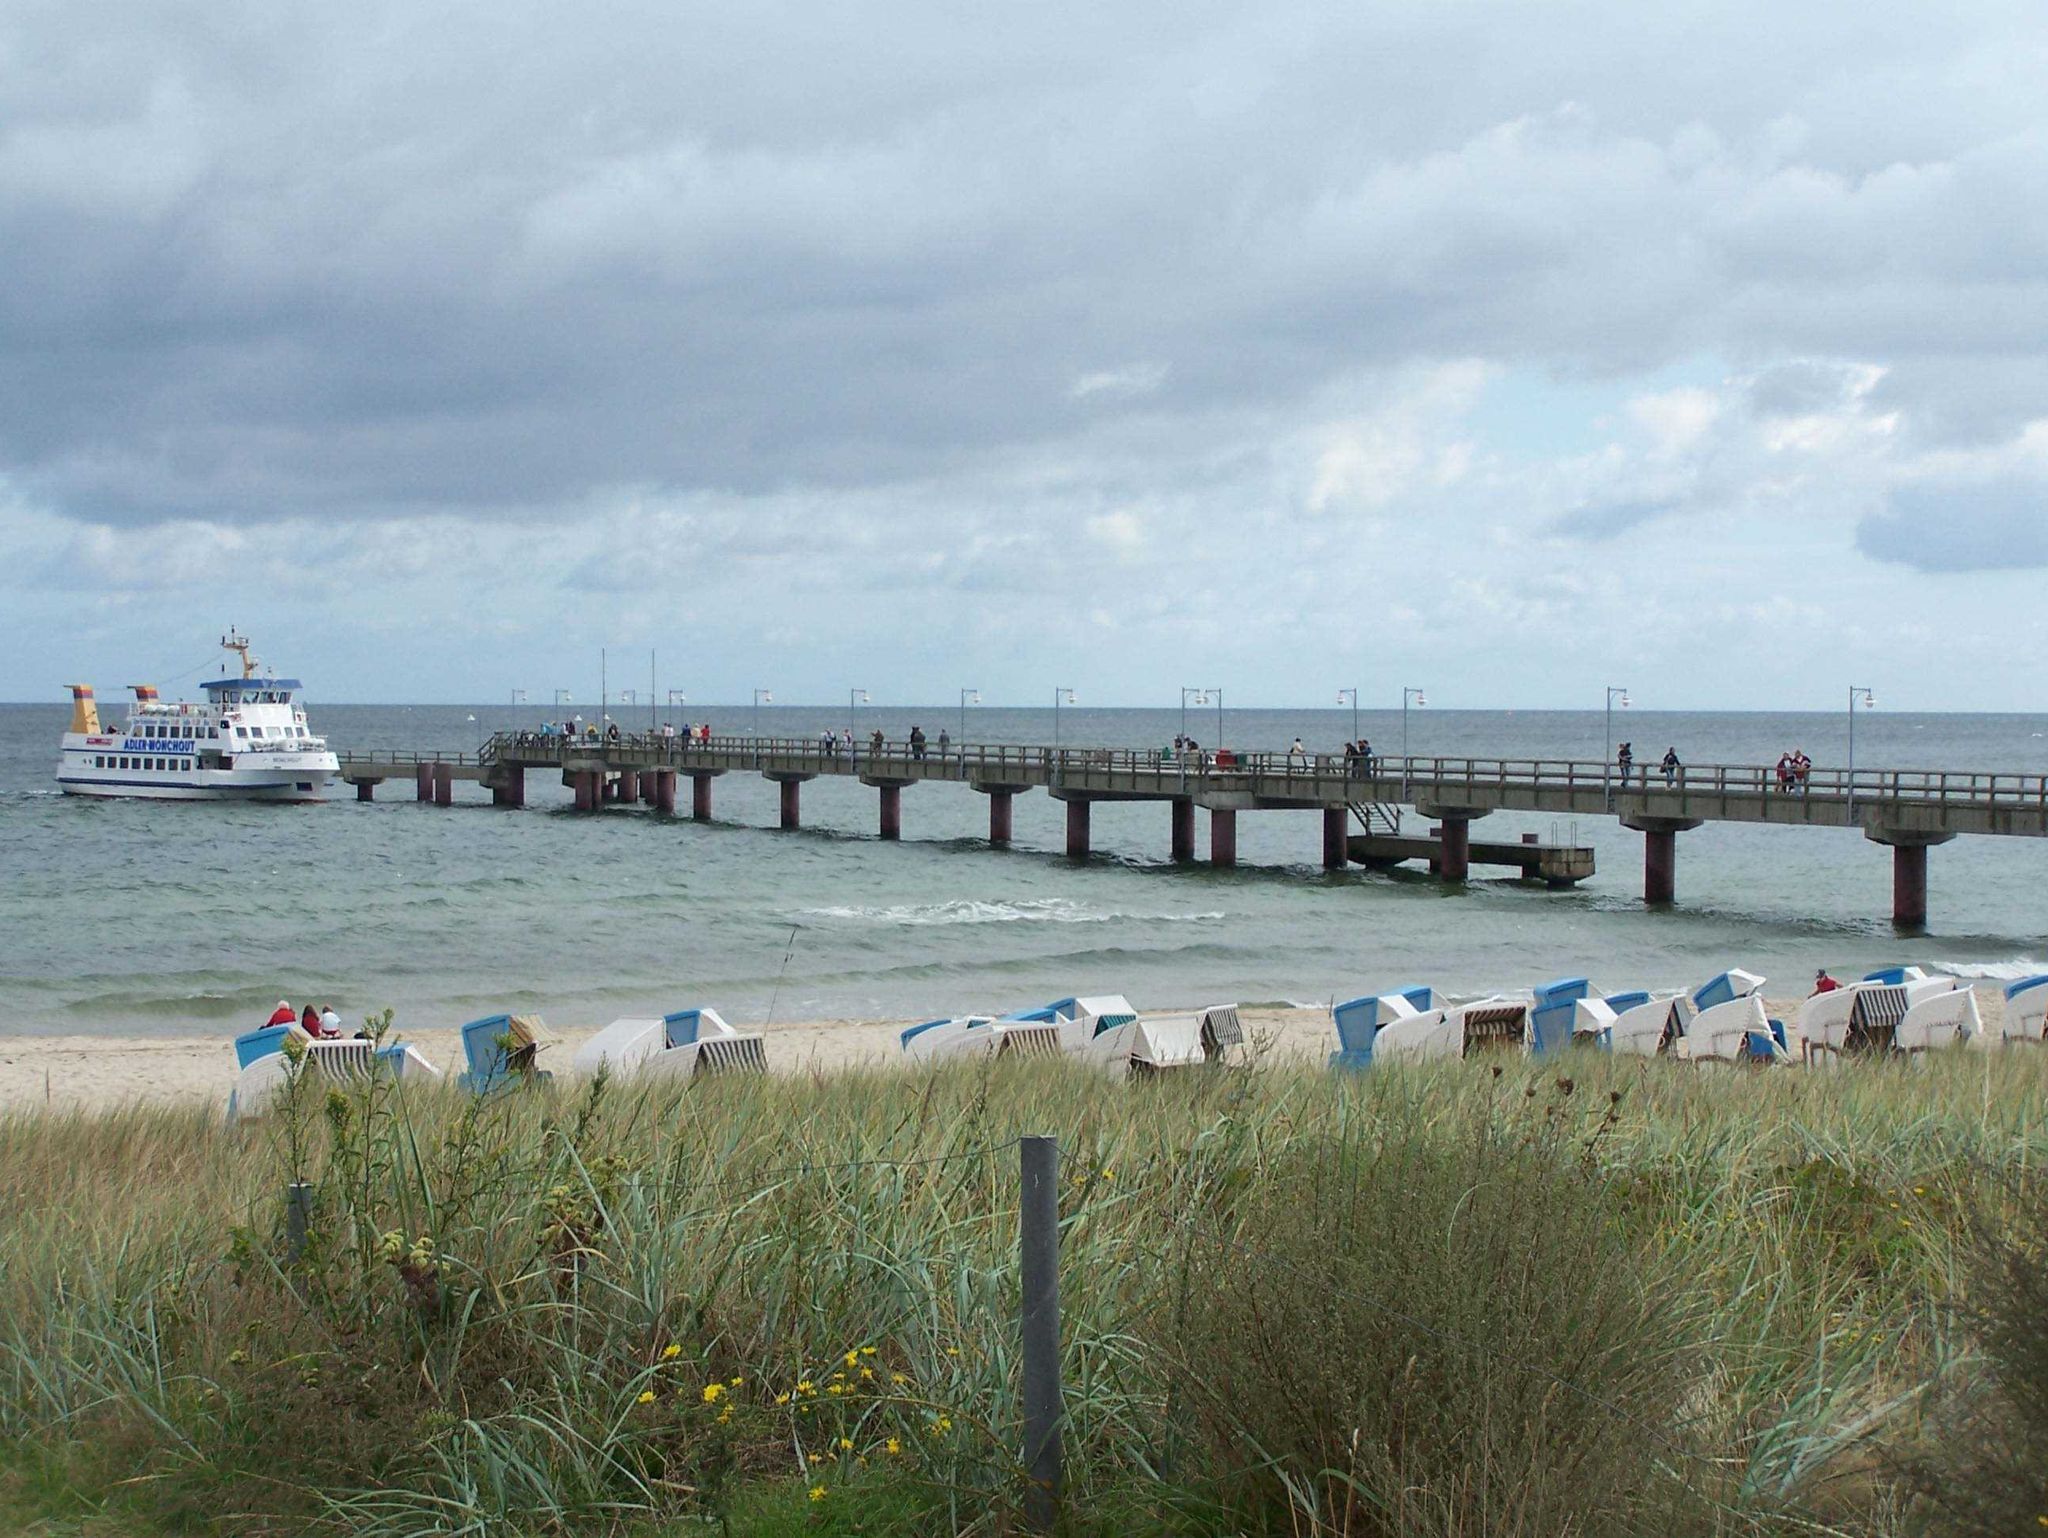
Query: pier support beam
[(515, 785), (585, 784), (1454, 843), (664, 791), (1336, 850), (1454, 836), (629, 786), (999, 818), (1222, 838), (700, 797), (792, 805), (1660, 855), (1077, 830), (1183, 830), (1909, 848), (366, 790), (892, 811), (423, 782), (444, 785)]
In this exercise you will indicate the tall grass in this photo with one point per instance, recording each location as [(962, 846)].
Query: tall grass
[(1605, 1297)]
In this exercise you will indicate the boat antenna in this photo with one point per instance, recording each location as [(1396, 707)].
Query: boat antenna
[(787, 951), (235, 641)]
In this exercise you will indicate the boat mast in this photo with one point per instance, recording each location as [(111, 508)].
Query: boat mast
[(238, 643)]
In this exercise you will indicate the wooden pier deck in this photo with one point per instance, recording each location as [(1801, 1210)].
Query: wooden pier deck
[(1908, 811)]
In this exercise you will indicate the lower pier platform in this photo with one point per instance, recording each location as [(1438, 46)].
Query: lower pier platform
[(1556, 865)]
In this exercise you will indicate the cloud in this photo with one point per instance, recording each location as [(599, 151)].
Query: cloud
[(574, 316), (1995, 525)]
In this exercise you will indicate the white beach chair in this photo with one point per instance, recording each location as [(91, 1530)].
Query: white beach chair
[(686, 1044)]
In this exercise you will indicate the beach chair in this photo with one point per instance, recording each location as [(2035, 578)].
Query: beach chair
[(1943, 1020), (1552, 1012), (501, 1051), (683, 1044), (1359, 1022), (2026, 1011)]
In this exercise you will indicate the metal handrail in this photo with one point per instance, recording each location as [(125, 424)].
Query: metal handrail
[(1432, 776)]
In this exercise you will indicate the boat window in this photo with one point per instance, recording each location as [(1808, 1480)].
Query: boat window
[(241, 731)]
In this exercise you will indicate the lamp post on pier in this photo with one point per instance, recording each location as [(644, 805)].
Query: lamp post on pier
[(1352, 696), (761, 697), (1858, 694), (854, 699), (1059, 697), (1187, 692), (562, 697), (1409, 692), (967, 697), (1614, 692)]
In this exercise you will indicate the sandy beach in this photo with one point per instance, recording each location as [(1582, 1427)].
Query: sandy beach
[(98, 1072)]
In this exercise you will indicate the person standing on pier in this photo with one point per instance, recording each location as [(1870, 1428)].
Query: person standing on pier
[(1670, 766), (1625, 760)]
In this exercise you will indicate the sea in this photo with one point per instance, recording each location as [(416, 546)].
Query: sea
[(143, 917)]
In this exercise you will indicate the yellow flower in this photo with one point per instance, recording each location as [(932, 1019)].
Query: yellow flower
[(725, 1416), (814, 1457), (712, 1391), (892, 1447), (734, 1382), (867, 1350), (853, 1359), (670, 1352), (782, 1399), (952, 1351), (647, 1396), (804, 1387), (1109, 1175), (898, 1379), (867, 1372), (1922, 1191), (835, 1388), (817, 1492), (846, 1444), (943, 1423)]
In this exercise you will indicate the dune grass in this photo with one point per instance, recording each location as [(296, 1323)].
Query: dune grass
[(1584, 1296)]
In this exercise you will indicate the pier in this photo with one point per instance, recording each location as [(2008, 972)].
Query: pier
[(1905, 811)]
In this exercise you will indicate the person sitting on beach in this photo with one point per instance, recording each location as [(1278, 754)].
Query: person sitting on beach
[(283, 1014), (330, 1022), (309, 1022), (1822, 983)]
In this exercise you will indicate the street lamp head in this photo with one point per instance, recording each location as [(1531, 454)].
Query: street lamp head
[(973, 696), (1063, 696), (860, 695)]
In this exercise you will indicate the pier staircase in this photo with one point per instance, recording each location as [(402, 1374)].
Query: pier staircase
[(1377, 816)]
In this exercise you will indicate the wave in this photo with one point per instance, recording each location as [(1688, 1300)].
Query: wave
[(1029, 910), (1992, 971)]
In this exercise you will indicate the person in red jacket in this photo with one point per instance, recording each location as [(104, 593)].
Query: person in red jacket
[(1822, 983), (282, 1015), (309, 1022)]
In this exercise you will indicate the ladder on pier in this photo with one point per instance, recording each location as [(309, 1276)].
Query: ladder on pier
[(1377, 816)]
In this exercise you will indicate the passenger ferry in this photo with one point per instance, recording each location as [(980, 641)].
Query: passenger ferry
[(247, 742)]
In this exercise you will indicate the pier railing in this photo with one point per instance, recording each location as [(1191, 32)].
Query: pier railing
[(1316, 775)]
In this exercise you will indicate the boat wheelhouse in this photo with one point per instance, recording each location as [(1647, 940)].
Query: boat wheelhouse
[(247, 741)]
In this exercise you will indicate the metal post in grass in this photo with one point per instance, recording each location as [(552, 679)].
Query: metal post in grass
[(298, 1213), (1038, 1247)]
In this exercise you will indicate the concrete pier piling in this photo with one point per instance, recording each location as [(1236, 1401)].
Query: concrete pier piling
[(1183, 830), (1222, 838), (792, 805), (892, 811), (700, 797), (1336, 823), (999, 818), (1077, 829), (423, 782), (366, 790), (444, 785)]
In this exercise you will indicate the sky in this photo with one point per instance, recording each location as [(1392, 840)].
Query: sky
[(1508, 349)]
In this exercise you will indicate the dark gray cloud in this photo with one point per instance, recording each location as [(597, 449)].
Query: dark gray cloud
[(489, 260)]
